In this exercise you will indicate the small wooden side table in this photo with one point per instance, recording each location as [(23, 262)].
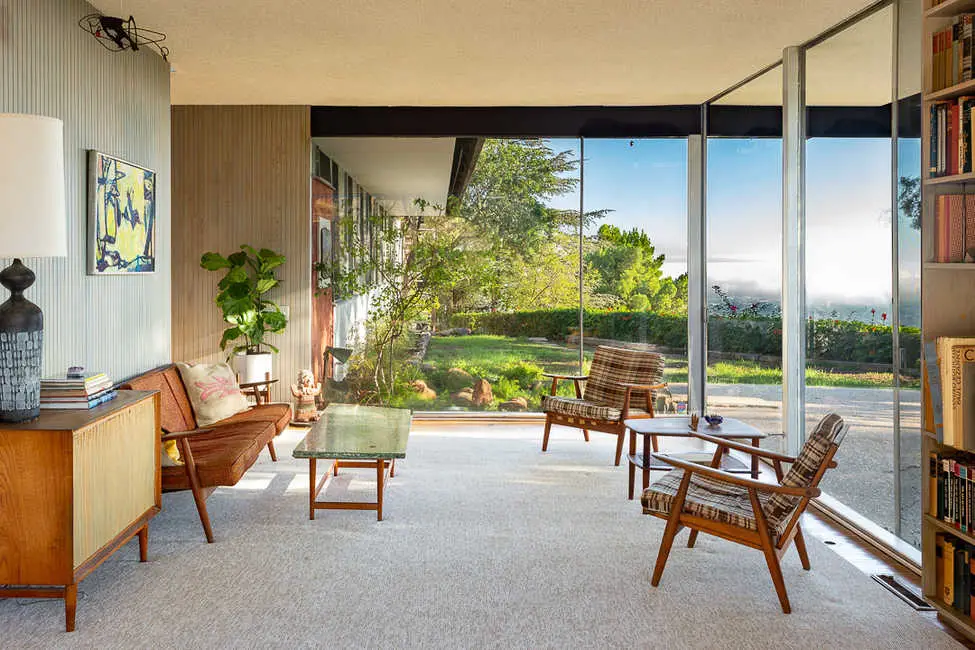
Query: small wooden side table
[(680, 427)]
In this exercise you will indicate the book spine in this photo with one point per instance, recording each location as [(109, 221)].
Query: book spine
[(949, 572), (939, 555), (933, 140)]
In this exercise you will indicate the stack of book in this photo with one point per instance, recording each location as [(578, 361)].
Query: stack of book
[(951, 50), (84, 392), (950, 150), (955, 563), (954, 226), (949, 373)]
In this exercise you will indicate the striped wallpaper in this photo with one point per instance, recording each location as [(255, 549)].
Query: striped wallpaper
[(241, 175), (117, 103)]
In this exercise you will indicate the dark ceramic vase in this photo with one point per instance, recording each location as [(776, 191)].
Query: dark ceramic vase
[(21, 339)]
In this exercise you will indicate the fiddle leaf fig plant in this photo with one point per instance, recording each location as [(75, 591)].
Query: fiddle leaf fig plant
[(249, 276)]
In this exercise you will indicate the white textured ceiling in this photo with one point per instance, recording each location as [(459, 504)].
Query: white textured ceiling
[(396, 170), (472, 52)]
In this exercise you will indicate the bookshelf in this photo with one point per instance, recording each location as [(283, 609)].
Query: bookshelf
[(948, 295)]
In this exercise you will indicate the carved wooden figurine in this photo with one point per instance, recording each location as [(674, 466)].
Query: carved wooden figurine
[(305, 391)]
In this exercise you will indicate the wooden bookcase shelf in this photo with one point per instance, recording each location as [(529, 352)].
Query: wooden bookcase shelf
[(950, 8), (948, 528), (947, 297), (949, 266), (955, 178)]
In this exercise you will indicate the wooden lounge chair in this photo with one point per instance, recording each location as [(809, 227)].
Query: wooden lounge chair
[(616, 376), (763, 516)]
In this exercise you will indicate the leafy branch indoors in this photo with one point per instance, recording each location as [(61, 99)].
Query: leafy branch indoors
[(242, 297)]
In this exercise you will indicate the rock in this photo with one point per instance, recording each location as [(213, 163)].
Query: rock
[(458, 378), (537, 339), (464, 397), (482, 394), (427, 367), (423, 391), (514, 404)]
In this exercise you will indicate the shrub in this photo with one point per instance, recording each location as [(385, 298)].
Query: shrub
[(523, 373), (826, 339)]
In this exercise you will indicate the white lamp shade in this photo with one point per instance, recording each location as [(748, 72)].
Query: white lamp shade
[(32, 214)]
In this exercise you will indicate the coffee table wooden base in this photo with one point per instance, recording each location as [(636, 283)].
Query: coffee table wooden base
[(385, 470)]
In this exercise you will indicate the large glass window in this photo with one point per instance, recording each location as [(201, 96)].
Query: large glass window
[(849, 351), (744, 257), (635, 252)]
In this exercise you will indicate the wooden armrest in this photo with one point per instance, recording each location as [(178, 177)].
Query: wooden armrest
[(736, 479), (254, 384), (176, 435), (554, 376), (629, 386), (748, 449)]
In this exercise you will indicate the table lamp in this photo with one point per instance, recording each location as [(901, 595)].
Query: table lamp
[(32, 224)]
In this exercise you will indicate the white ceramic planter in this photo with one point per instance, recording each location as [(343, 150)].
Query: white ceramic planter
[(252, 367)]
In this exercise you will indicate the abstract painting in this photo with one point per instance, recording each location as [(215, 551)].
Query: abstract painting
[(121, 216)]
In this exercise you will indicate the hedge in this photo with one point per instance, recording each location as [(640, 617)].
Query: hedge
[(826, 339)]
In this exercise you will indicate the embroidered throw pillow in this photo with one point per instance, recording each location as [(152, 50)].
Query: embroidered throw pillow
[(213, 391)]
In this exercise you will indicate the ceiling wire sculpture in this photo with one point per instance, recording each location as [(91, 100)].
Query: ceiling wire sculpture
[(117, 34)]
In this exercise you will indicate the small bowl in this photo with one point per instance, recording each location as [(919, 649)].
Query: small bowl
[(713, 420)]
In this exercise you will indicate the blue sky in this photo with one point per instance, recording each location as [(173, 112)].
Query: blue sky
[(848, 221)]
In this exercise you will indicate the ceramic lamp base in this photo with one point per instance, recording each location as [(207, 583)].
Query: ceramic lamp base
[(21, 343)]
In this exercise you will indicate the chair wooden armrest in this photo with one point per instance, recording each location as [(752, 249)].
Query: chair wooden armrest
[(632, 387), (735, 479), (573, 377), (255, 384), (176, 435), (748, 449)]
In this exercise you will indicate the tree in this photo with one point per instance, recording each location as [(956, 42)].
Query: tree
[(909, 200), (628, 267), (410, 263)]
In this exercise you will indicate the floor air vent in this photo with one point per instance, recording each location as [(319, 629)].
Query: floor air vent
[(902, 591)]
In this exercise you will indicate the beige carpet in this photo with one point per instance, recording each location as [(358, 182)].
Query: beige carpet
[(487, 543)]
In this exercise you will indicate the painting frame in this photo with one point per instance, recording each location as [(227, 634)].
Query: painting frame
[(130, 247)]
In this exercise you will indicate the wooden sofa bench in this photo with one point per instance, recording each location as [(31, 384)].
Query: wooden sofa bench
[(217, 455)]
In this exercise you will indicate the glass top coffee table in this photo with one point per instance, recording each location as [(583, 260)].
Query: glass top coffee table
[(354, 436), (680, 426)]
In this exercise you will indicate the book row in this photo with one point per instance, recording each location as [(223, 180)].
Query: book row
[(950, 150), (954, 228), (951, 48), (955, 564), (949, 367), (951, 490)]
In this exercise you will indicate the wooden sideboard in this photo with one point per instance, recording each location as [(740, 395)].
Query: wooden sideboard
[(74, 487)]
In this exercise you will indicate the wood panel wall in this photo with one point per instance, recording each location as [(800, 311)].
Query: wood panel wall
[(117, 103), (241, 175)]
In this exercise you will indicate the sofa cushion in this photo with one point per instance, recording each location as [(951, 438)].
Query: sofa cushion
[(213, 391), (221, 456), (277, 414), (614, 366)]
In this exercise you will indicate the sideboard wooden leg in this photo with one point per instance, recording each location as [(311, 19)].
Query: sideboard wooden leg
[(70, 606), (144, 543)]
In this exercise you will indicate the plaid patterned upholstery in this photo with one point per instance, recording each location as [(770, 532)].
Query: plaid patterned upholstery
[(707, 498), (579, 408), (612, 366), (716, 500), (828, 432)]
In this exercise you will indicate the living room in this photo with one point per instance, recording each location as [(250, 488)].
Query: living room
[(289, 262)]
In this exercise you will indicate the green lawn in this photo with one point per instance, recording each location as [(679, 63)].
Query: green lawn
[(514, 367)]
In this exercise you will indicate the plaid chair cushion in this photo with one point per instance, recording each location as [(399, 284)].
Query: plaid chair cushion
[(612, 366), (828, 432), (706, 498), (579, 408)]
